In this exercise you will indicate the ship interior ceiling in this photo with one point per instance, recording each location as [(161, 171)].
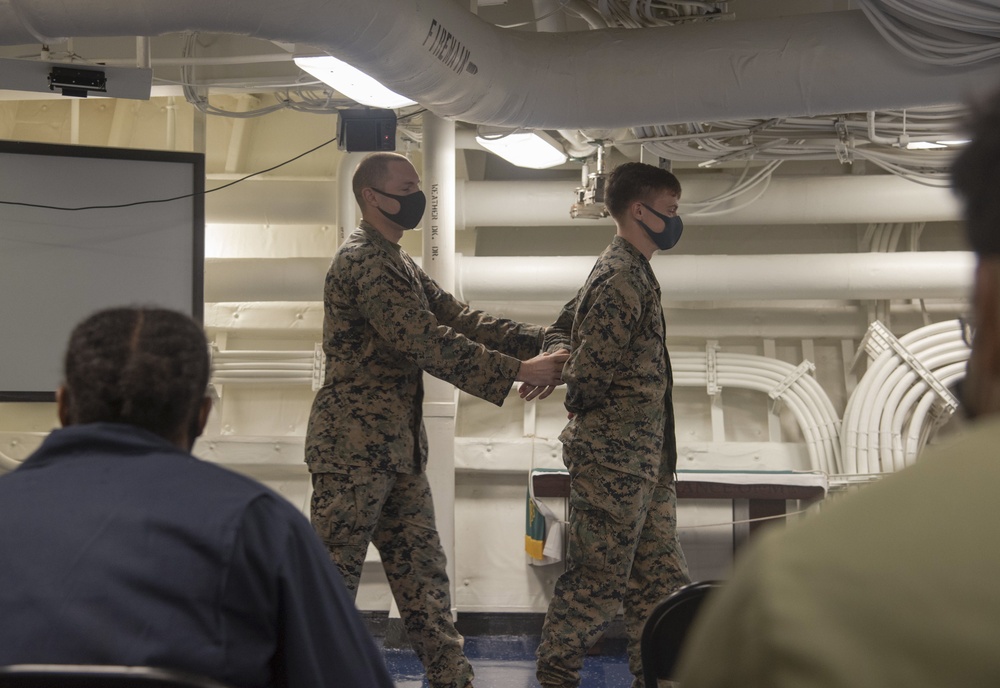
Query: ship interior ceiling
[(812, 305)]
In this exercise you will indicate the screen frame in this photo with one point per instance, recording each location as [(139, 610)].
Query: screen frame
[(196, 193)]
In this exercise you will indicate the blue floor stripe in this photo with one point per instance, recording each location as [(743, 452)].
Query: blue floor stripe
[(508, 662)]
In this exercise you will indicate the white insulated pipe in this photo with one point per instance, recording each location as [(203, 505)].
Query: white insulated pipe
[(461, 67), (851, 276), (277, 201), (439, 185), (347, 204), (788, 200), (847, 276)]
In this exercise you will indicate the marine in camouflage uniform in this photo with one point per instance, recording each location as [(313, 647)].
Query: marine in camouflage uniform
[(621, 452), (386, 322)]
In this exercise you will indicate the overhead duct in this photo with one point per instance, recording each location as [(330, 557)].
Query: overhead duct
[(461, 67), (851, 276)]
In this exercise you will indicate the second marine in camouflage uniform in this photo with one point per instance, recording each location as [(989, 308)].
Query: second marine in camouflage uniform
[(621, 452), (386, 322)]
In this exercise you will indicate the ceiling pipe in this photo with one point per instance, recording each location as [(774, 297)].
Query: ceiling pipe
[(788, 200), (835, 320), (850, 276), (461, 67)]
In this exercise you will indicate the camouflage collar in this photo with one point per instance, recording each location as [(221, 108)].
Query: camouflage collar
[(623, 243), (376, 236)]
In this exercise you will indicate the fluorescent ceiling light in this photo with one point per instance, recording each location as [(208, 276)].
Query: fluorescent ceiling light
[(529, 149), (926, 145), (352, 82)]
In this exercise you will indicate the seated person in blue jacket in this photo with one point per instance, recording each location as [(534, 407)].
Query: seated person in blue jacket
[(117, 546)]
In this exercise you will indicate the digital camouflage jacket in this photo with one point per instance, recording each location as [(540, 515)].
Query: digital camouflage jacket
[(618, 376), (385, 322)]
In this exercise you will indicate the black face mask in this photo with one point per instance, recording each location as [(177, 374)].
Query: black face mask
[(673, 227), (411, 208)]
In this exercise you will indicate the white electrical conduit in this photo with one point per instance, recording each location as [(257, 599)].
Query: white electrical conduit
[(884, 399), (919, 431), (460, 67), (804, 397), (256, 367), (891, 441), (860, 405), (817, 402), (879, 422)]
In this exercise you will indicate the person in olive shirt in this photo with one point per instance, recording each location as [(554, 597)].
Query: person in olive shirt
[(386, 323), (894, 584), (619, 445)]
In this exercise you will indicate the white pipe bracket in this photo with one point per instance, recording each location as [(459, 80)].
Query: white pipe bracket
[(712, 385), (880, 339), (319, 367), (803, 368)]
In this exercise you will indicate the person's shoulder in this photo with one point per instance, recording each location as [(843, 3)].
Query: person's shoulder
[(205, 474), (954, 480), (617, 268), (358, 247), (620, 257)]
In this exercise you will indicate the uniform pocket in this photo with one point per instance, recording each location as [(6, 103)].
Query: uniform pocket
[(606, 507), (334, 508)]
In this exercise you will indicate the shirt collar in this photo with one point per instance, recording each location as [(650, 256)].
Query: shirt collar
[(376, 236), (108, 438), (625, 244)]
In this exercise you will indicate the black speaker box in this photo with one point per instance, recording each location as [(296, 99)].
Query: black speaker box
[(365, 130)]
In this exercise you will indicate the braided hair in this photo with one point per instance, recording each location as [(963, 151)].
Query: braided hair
[(147, 367)]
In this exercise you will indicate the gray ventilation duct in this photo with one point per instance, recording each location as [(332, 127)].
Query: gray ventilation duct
[(461, 67)]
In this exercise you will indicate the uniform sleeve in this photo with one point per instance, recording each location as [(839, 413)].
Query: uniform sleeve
[(319, 638), (602, 333), (510, 337), (557, 335), (394, 305)]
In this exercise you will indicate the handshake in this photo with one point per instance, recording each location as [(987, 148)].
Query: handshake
[(540, 375)]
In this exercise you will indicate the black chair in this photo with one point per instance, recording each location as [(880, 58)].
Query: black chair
[(98, 676), (665, 630)]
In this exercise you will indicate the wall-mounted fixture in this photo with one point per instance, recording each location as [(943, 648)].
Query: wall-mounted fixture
[(351, 82), (75, 78), (366, 129), (590, 197)]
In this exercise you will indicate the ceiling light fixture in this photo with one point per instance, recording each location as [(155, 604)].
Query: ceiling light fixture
[(536, 150), (352, 82), (926, 145)]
